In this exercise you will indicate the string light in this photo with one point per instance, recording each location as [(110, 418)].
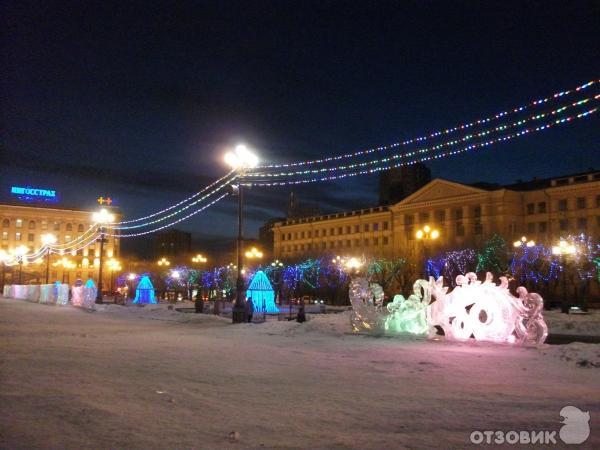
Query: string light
[(452, 143), (436, 133), (172, 223), (432, 157), (225, 177)]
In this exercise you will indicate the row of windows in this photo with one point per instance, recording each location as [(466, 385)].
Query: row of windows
[(440, 215), (562, 205), (43, 225), (19, 236), (88, 252), (581, 224), (348, 243), (333, 231)]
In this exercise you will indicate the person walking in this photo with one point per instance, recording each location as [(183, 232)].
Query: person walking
[(249, 309), (301, 314)]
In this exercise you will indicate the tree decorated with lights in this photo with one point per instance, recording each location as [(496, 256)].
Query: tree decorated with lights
[(386, 273), (451, 264), (493, 256)]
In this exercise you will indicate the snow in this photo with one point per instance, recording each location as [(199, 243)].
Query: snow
[(574, 324), (149, 377)]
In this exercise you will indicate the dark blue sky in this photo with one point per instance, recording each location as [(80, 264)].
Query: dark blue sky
[(138, 100)]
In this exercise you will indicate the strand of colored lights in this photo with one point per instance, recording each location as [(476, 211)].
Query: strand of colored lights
[(181, 219), (182, 201), (91, 229), (432, 157), (434, 134), (174, 213), (451, 143), (41, 252)]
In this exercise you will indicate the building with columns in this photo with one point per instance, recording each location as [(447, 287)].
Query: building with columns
[(465, 215), (25, 225)]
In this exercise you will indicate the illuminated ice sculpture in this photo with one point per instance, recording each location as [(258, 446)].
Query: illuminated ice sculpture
[(262, 295), (486, 311), (144, 293)]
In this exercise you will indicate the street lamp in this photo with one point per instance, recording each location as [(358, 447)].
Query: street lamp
[(164, 262), (20, 252), (240, 160), (131, 277), (524, 241), (254, 253), (48, 239), (425, 235), (101, 218), (563, 250), (199, 258)]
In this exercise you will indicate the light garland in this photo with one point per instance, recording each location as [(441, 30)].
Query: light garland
[(175, 213), (433, 148), (432, 157), (172, 223), (227, 175), (434, 134)]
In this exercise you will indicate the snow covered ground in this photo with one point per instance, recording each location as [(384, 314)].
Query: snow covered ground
[(131, 377)]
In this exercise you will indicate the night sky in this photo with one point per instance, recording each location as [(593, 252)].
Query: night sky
[(139, 101)]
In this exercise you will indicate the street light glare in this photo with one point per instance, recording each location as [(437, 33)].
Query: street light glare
[(241, 158), (103, 216), (48, 239)]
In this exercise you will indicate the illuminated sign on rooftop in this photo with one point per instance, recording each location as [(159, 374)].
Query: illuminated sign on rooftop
[(30, 194)]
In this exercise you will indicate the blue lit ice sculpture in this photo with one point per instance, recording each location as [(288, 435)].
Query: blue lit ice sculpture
[(262, 295), (145, 291)]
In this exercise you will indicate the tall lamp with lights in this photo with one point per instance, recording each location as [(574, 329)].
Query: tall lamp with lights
[(101, 218)]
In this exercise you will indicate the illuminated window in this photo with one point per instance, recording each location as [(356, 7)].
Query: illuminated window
[(17, 236), (67, 237), (5, 235), (44, 225), (19, 223), (56, 226), (69, 227)]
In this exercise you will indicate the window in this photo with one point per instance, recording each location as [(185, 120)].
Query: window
[(302, 235), (30, 237), (80, 228), (19, 223), (424, 217), (409, 219), (309, 234), (582, 223), (331, 231), (316, 233), (440, 216), (357, 241), (580, 202), (460, 229), (541, 207), (67, 237), (296, 235), (410, 233), (348, 229), (458, 214), (530, 208), (357, 228), (477, 228), (375, 227), (295, 247), (17, 236), (32, 224), (564, 224), (44, 225), (366, 227), (375, 241), (477, 211), (562, 204), (385, 240), (283, 236), (6, 223), (348, 243), (289, 236), (386, 225), (340, 230), (56, 226), (543, 227), (531, 227), (5, 235)]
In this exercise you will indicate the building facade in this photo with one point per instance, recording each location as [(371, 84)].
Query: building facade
[(465, 215), (172, 243), (24, 225)]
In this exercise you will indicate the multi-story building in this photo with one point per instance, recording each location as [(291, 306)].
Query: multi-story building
[(24, 225), (172, 243), (465, 215)]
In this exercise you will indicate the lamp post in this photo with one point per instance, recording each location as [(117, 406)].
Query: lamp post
[(113, 265), (425, 235), (101, 218), (130, 279), (199, 259), (563, 250), (20, 252), (48, 239), (524, 242), (240, 160)]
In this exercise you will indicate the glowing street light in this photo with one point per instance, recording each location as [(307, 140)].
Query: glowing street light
[(240, 160), (20, 252), (425, 235), (277, 263), (254, 253), (163, 262), (525, 242), (199, 258), (113, 265), (48, 239)]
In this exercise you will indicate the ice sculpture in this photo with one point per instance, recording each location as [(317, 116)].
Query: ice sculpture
[(89, 294), (62, 293), (144, 292), (366, 300), (409, 315), (262, 295), (486, 311)]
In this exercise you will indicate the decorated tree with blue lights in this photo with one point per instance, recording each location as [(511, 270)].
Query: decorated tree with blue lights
[(451, 264)]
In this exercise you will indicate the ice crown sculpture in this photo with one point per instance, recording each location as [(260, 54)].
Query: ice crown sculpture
[(485, 311)]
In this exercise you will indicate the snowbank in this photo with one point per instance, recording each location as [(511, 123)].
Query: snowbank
[(573, 324), (578, 353)]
